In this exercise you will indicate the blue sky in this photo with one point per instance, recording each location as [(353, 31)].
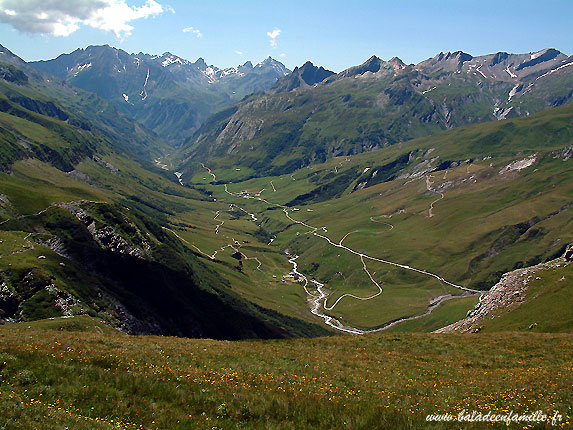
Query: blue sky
[(335, 34)]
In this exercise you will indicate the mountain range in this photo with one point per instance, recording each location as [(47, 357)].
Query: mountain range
[(171, 197), (377, 104), (170, 95), (311, 114), (80, 203)]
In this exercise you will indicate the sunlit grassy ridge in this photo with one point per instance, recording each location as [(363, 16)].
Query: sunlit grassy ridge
[(86, 379)]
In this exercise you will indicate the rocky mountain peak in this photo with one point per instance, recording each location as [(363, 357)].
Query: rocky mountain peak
[(267, 61), (200, 64), (271, 64), (306, 75), (312, 74), (499, 57), (397, 63), (372, 64), (540, 57), (445, 62), (458, 56), (308, 66)]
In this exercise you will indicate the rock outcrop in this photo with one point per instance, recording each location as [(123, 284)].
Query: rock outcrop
[(508, 292), (106, 237)]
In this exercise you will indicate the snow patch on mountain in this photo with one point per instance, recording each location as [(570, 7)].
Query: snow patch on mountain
[(170, 60), (501, 113), (231, 71), (143, 92), (278, 67), (80, 68), (513, 75), (210, 74), (554, 70), (513, 92), (478, 70)]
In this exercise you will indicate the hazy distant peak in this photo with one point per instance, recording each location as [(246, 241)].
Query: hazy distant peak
[(374, 66), (200, 63), (304, 76)]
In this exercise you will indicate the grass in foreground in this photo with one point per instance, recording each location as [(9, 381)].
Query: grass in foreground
[(87, 379)]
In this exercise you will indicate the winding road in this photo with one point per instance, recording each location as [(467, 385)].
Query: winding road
[(210, 172), (319, 299), (429, 184)]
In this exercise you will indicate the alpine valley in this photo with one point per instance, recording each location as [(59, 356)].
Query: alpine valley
[(363, 210)]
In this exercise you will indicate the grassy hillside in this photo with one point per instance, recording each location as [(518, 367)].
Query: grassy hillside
[(83, 229), (75, 373), (546, 308), (128, 270), (466, 205), (413, 230), (536, 299)]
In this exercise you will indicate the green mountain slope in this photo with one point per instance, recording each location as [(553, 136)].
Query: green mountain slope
[(39, 93), (536, 298), (382, 231), (82, 230)]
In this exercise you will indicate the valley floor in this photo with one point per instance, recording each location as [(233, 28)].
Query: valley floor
[(78, 373)]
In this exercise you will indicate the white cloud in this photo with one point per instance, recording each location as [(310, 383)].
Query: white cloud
[(239, 52), (193, 30), (283, 55), (273, 35), (62, 18)]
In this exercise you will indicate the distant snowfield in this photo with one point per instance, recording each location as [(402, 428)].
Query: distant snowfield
[(82, 67), (478, 70)]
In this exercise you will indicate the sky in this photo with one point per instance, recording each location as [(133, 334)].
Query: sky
[(334, 34)]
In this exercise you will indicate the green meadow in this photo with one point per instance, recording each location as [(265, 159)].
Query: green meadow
[(78, 373)]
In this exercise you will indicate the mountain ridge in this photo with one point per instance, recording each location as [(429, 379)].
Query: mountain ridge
[(168, 94), (307, 75), (379, 103)]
